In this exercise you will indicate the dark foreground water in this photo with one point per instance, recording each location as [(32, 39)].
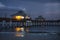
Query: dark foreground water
[(29, 36), (48, 33)]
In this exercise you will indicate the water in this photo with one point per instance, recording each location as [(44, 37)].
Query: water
[(29, 36), (45, 29), (53, 33)]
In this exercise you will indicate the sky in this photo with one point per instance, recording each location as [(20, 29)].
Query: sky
[(49, 9)]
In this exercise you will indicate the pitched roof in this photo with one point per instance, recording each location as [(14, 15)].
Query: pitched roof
[(21, 12)]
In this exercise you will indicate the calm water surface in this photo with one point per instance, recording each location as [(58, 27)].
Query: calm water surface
[(29, 36), (53, 34)]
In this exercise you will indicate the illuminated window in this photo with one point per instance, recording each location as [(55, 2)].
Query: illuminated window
[(19, 17)]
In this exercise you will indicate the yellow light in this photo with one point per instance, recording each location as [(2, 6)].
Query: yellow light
[(18, 29), (19, 17)]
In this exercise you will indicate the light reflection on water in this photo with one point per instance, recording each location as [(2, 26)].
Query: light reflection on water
[(18, 34)]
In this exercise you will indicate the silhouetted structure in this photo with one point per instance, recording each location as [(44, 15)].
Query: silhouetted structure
[(40, 18)]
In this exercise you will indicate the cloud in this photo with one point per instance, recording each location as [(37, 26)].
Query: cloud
[(18, 8), (1, 5), (51, 8)]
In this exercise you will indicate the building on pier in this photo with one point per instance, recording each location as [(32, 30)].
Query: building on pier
[(21, 14)]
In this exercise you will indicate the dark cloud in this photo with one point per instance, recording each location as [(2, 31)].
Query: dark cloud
[(41, 1), (47, 8)]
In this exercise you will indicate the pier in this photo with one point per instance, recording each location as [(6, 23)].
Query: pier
[(11, 24)]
